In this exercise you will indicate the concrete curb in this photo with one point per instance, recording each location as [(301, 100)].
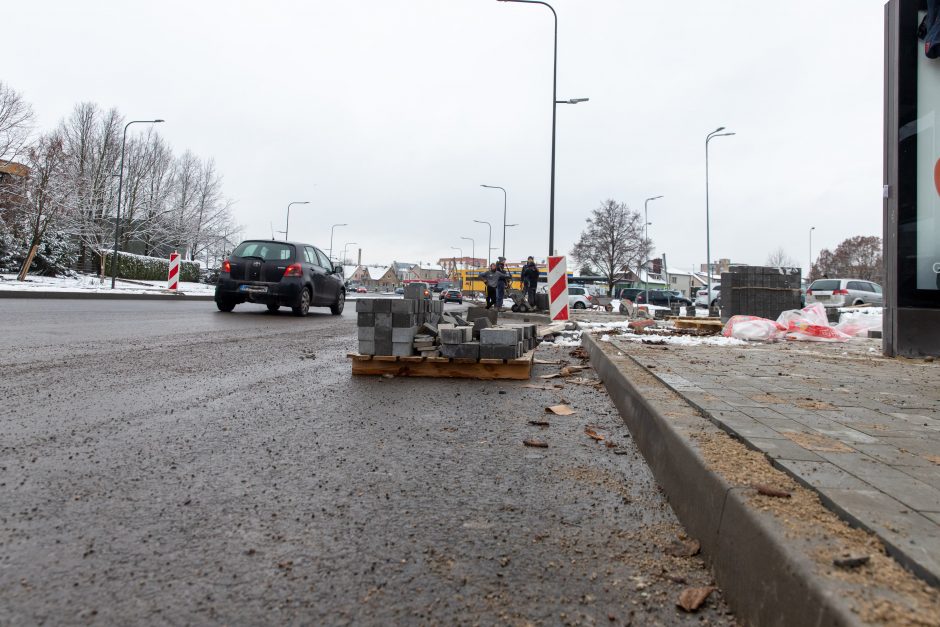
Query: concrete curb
[(767, 578), (102, 296)]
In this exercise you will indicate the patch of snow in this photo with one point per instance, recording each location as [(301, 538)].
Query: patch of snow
[(91, 283)]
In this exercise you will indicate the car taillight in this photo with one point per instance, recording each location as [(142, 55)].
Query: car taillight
[(809, 292), (294, 269), (226, 266), (840, 292)]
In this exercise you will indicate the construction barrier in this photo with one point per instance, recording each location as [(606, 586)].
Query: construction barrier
[(173, 278), (557, 288)]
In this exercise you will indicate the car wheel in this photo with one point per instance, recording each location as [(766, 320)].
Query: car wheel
[(337, 308), (303, 308), (858, 302), (225, 305), (273, 307), (580, 305)]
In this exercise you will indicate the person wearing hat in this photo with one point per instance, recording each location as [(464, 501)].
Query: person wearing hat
[(530, 280)]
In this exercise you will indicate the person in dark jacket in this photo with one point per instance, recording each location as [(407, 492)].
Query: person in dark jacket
[(491, 278), (530, 280)]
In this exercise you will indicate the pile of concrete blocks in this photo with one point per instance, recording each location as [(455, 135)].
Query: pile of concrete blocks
[(419, 326), (388, 326)]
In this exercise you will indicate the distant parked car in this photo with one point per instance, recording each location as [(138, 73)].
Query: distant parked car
[(629, 293), (662, 298), (703, 300), (361, 290), (578, 297), (400, 291), (279, 274), (844, 293), (452, 296)]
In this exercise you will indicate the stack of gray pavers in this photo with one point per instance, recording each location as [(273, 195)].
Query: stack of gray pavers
[(388, 326)]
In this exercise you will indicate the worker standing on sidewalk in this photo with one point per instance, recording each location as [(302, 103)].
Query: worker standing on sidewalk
[(530, 280), (504, 281)]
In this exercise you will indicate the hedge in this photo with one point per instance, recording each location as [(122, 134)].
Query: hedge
[(149, 268)]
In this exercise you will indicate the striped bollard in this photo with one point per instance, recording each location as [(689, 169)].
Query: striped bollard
[(173, 278), (557, 288)]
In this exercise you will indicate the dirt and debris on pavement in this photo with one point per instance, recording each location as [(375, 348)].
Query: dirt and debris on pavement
[(244, 497)]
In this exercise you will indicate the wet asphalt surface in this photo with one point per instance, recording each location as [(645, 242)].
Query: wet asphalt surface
[(162, 463)]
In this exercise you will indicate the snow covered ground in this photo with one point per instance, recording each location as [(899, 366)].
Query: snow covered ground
[(92, 284), (573, 338)]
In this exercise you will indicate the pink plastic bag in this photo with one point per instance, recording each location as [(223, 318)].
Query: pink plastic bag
[(810, 324), (753, 328)]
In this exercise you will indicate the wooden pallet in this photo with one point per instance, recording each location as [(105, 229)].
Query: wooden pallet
[(444, 367), (714, 325)]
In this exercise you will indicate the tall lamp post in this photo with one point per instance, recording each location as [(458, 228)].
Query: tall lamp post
[(555, 102), (646, 237), (490, 245), (810, 267), (473, 249), (331, 238), (344, 250), (287, 224), (505, 196), (117, 214), (708, 238)]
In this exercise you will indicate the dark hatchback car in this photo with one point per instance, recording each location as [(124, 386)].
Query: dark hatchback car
[(663, 298), (276, 274), (452, 296)]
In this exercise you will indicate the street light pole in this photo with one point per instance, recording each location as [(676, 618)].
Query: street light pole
[(490, 249), (810, 267), (473, 249), (344, 249), (646, 237), (287, 224), (708, 238), (117, 213), (505, 196), (331, 238), (555, 102)]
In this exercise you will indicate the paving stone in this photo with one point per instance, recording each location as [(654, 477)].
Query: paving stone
[(366, 348), (383, 321), (783, 449), (404, 335), (405, 306), (925, 474), (480, 323), (893, 455), (467, 350), (365, 320), (481, 312), (403, 320), (496, 351), (822, 474), (499, 336), (382, 305), (366, 334), (383, 347), (402, 349), (365, 305), (456, 335)]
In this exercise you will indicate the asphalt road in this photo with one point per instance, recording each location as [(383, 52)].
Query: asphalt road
[(166, 463)]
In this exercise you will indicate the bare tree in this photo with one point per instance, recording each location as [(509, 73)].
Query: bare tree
[(46, 192), (858, 257), (779, 258), (613, 242), (16, 122), (92, 139)]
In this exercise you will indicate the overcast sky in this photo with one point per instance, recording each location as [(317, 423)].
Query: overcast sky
[(388, 114)]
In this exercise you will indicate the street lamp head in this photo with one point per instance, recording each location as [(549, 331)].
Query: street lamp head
[(719, 129), (158, 121), (577, 100)]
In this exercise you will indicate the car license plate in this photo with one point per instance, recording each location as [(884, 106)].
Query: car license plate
[(821, 298), (256, 289)]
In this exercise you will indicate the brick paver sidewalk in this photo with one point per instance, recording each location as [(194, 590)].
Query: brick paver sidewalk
[(864, 431)]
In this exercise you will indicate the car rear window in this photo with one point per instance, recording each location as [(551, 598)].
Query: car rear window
[(825, 285), (269, 251)]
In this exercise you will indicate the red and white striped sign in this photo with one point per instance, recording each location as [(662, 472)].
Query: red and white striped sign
[(173, 279), (557, 288)]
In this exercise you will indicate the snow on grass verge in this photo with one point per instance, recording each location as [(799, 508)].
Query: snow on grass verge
[(87, 283), (623, 332)]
